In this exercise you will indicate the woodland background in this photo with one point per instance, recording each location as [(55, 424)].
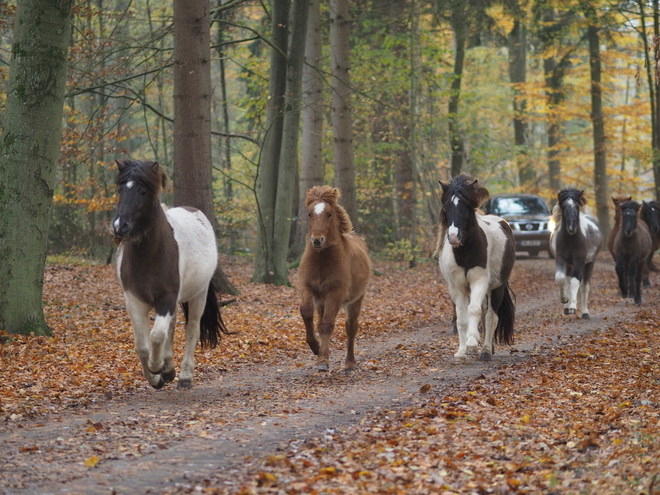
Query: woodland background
[(403, 77)]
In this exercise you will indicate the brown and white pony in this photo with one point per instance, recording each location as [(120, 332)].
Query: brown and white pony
[(165, 257), (576, 242), (334, 272), (477, 253)]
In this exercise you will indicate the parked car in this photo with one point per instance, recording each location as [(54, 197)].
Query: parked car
[(529, 218)]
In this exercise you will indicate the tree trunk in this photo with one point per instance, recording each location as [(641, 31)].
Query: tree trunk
[(342, 122), (518, 78), (289, 151), (193, 170), (266, 180), (312, 117), (554, 77), (459, 25), (29, 150), (600, 149)]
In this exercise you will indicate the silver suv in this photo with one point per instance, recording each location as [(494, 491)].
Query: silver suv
[(529, 218)]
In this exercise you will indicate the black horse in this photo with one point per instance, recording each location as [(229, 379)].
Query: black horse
[(575, 242)]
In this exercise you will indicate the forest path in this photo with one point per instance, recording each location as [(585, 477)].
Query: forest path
[(169, 438)]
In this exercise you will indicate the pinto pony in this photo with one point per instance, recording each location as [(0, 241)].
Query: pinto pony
[(165, 257), (576, 242), (477, 253), (334, 272), (632, 247)]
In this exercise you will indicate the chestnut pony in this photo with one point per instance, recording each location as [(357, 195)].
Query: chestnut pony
[(334, 273), (165, 257)]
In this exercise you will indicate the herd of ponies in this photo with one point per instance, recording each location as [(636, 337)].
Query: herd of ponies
[(167, 257)]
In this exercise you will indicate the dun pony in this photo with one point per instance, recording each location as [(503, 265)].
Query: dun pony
[(334, 272)]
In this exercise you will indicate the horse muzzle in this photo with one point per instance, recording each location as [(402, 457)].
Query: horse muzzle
[(317, 242), (453, 240), (121, 229)]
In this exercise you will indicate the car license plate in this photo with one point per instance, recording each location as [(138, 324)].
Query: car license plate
[(530, 243)]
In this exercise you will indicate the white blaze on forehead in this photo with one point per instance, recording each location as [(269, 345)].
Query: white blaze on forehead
[(319, 208), (130, 184), (570, 202), (116, 223), (455, 200)]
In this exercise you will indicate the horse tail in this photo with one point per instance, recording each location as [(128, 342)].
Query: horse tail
[(211, 326), (507, 317)]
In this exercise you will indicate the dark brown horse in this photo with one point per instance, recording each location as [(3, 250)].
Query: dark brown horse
[(632, 246), (650, 213), (334, 273), (165, 257), (616, 200)]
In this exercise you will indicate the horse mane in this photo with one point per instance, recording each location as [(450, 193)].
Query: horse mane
[(577, 195), (467, 189), (330, 195), (148, 173)]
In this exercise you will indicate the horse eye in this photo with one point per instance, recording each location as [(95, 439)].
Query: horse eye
[(309, 215), (329, 215)]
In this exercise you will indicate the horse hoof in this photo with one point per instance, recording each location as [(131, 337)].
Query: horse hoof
[(159, 385), (315, 348), (168, 376), (323, 367), (585, 316), (485, 356), (566, 311), (569, 311), (460, 359), (185, 384)]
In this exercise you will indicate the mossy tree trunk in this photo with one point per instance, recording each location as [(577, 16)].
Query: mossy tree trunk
[(29, 149)]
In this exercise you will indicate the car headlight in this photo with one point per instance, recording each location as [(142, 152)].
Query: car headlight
[(551, 225)]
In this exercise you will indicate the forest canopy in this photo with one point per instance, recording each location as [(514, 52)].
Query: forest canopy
[(403, 73)]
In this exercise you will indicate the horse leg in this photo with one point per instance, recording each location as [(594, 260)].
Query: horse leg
[(478, 291), (622, 275), (333, 303), (638, 281), (461, 304), (195, 310), (491, 320), (168, 373), (138, 312), (352, 315), (307, 313), (560, 280), (584, 290), (574, 286)]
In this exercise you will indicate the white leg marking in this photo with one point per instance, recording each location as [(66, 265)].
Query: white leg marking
[(159, 338)]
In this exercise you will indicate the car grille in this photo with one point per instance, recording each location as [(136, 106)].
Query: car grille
[(530, 226)]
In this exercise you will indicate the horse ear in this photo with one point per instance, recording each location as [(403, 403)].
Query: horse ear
[(121, 165), (444, 185), (163, 176)]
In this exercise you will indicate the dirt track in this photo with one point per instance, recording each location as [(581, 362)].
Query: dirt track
[(158, 440)]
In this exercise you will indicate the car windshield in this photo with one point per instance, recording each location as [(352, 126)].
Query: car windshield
[(520, 206)]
